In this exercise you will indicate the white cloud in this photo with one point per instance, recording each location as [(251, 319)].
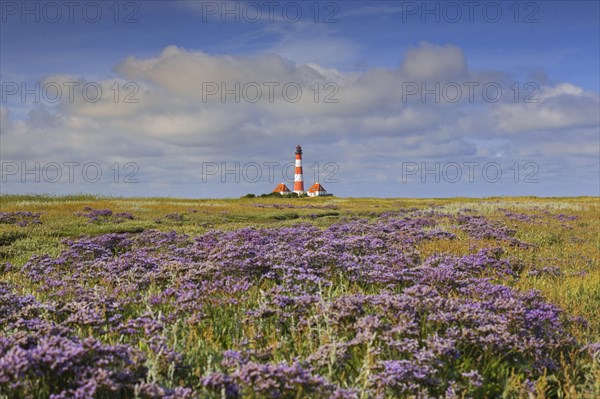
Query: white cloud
[(559, 107)]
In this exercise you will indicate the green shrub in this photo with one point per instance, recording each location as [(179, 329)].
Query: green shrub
[(8, 237)]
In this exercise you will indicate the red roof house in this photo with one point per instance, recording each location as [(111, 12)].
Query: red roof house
[(282, 189), (317, 190)]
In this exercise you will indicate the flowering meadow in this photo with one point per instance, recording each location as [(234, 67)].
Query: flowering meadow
[(299, 298)]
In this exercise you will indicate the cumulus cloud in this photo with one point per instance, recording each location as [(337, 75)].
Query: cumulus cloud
[(559, 107), (184, 72), (272, 81)]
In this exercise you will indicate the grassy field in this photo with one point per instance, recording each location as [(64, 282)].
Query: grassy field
[(559, 256)]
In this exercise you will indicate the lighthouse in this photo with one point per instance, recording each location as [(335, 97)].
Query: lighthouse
[(298, 183)]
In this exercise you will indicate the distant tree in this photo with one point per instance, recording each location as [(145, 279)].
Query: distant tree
[(285, 195), (271, 195), (250, 195)]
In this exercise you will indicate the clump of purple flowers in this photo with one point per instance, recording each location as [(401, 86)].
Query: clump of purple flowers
[(279, 380), (552, 271), (20, 218), (105, 215), (40, 357), (480, 228), (175, 217), (566, 218), (520, 217)]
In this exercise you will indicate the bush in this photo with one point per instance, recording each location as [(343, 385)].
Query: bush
[(286, 216), (8, 237), (272, 195)]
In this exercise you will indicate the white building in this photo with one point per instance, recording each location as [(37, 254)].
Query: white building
[(317, 190)]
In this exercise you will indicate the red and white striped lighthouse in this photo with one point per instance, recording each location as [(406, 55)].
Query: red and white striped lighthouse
[(298, 183)]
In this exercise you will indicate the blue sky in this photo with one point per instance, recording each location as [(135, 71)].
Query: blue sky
[(366, 144)]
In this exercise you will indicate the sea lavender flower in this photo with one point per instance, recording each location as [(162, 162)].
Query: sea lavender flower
[(20, 218), (357, 288)]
